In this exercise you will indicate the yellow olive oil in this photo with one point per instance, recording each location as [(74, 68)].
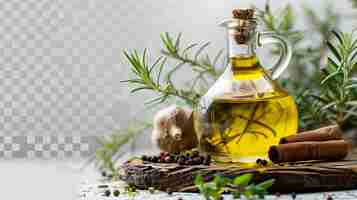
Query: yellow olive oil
[(241, 125)]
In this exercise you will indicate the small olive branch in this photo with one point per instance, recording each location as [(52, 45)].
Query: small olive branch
[(239, 186)]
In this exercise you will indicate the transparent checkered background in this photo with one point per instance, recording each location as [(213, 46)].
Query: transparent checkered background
[(59, 77), (61, 64)]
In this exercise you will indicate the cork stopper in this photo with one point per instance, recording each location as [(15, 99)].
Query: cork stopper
[(242, 32), (244, 14)]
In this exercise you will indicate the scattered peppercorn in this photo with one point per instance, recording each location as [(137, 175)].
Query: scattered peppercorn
[(116, 193), (155, 159), (144, 158), (197, 160), (293, 195), (151, 190), (107, 193), (104, 174), (169, 191), (184, 158), (258, 161), (264, 162), (329, 197), (102, 186), (277, 194)]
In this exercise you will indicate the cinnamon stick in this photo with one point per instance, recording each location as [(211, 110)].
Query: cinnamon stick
[(322, 134), (300, 151)]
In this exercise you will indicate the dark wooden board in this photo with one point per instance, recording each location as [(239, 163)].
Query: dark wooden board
[(298, 177)]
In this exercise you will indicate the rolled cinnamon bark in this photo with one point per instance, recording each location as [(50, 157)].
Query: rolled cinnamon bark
[(300, 151), (322, 134)]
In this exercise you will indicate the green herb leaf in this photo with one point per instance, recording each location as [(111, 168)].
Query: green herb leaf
[(243, 180)]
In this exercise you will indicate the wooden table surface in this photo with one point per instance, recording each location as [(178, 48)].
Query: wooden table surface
[(313, 176)]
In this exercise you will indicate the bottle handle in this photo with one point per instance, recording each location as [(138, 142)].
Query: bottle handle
[(267, 37)]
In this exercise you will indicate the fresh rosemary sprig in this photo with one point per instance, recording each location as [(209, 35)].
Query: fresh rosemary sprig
[(202, 65), (157, 77), (239, 186), (108, 153), (336, 101), (147, 80)]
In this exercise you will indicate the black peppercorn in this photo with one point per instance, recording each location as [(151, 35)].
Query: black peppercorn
[(104, 174), (197, 161), (258, 161), (293, 195), (264, 162), (116, 193), (202, 158), (144, 158), (329, 197), (107, 193), (155, 159), (169, 191)]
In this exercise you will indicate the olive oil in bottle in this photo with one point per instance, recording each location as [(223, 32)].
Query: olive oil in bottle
[(246, 111), (241, 126)]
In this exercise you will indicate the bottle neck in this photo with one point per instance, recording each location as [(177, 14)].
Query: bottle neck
[(241, 42), (243, 61)]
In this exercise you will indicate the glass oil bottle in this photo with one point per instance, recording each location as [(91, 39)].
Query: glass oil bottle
[(246, 111)]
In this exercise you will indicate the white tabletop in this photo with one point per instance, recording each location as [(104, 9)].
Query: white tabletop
[(93, 192)]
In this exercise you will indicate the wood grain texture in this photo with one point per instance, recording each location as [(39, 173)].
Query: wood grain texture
[(296, 177)]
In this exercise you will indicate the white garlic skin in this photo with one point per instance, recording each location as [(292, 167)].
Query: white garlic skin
[(173, 129)]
